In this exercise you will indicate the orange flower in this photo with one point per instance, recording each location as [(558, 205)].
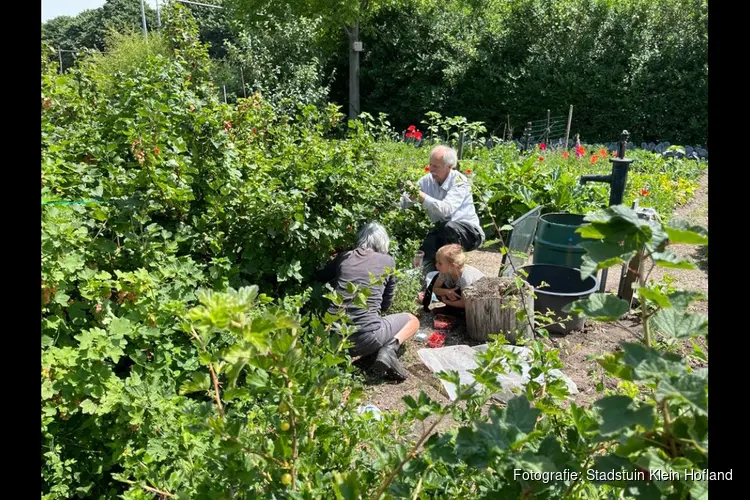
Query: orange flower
[(427, 168), (594, 158), (644, 192), (602, 152), (468, 171), (157, 150), (565, 154), (541, 158)]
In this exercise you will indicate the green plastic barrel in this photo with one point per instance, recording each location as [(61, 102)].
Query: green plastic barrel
[(556, 240)]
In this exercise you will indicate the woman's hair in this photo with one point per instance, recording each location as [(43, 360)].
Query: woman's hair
[(373, 237), (453, 254)]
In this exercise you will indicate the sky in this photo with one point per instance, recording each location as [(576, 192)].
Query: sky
[(54, 8)]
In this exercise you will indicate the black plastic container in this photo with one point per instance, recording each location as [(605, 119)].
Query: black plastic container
[(563, 285)]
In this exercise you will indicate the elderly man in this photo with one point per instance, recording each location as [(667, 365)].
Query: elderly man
[(446, 196)]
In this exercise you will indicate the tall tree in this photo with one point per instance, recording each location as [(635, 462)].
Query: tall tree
[(346, 14)]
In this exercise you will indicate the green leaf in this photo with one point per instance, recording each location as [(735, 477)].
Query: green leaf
[(681, 299), (617, 414), (679, 324), (520, 414), (691, 388), (610, 469), (346, 486), (699, 490), (62, 298), (653, 295), (648, 363), (200, 382), (612, 364), (440, 448), (532, 462), (257, 378), (607, 254), (473, 446), (360, 301), (599, 307), (120, 327), (589, 231), (88, 406), (681, 232), (669, 260)]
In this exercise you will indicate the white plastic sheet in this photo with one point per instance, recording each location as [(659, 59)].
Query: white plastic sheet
[(462, 358)]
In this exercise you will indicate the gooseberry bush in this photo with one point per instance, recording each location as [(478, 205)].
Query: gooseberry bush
[(183, 352)]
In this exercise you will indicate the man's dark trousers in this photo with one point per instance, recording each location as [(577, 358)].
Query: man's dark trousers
[(444, 233)]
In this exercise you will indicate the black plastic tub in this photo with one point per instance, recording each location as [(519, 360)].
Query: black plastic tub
[(563, 285)]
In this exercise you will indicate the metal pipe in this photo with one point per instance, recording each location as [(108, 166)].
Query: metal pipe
[(617, 181)]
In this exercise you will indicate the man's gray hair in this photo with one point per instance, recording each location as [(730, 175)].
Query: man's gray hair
[(450, 157), (374, 237)]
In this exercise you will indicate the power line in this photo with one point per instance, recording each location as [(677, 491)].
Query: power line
[(201, 4)]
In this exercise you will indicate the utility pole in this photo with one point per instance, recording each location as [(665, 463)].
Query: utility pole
[(143, 17)]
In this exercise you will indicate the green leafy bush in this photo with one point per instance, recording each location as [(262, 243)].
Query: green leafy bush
[(178, 357)]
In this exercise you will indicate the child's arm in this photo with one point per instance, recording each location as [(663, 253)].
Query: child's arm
[(438, 289), (455, 303)]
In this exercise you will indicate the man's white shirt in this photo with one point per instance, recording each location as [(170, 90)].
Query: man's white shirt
[(450, 202)]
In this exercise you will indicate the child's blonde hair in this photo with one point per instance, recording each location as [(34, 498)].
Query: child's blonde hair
[(453, 254)]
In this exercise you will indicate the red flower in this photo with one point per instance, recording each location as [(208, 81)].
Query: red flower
[(436, 339), (157, 150), (541, 158), (427, 168), (468, 171), (542, 146), (580, 151), (594, 158), (644, 192), (602, 152), (565, 154), (411, 128), (418, 135)]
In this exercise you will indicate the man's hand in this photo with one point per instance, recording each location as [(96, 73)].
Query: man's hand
[(412, 190)]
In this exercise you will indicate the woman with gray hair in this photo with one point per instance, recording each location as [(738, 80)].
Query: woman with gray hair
[(376, 336)]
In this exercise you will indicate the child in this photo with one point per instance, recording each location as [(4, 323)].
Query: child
[(454, 275)]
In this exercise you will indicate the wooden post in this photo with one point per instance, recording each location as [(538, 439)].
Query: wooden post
[(353, 71), (528, 136), (59, 52), (492, 305), (546, 130), (567, 130), (633, 270), (460, 151)]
